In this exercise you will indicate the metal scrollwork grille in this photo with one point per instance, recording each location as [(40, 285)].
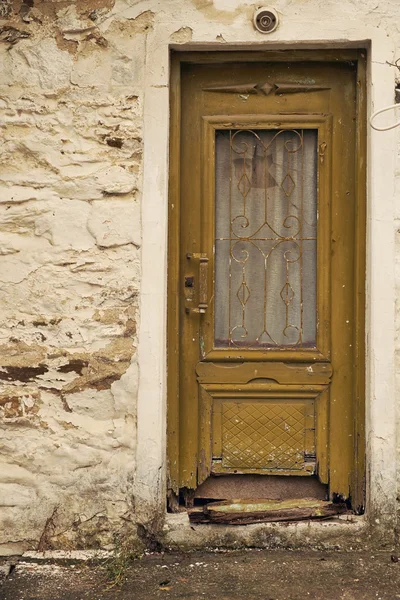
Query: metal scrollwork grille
[(266, 230)]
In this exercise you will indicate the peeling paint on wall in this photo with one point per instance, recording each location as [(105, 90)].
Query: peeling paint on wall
[(71, 121), (184, 34)]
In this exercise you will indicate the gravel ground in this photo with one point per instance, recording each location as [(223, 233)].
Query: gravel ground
[(233, 575)]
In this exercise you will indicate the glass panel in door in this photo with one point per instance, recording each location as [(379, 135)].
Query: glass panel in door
[(266, 238)]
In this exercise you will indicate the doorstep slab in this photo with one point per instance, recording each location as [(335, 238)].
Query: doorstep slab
[(344, 532)]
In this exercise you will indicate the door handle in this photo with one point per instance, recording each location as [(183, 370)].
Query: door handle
[(203, 282)]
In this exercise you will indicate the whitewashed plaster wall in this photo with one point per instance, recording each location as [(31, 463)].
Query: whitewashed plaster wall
[(83, 257)]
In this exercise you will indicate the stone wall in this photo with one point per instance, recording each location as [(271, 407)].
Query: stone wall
[(71, 164), (80, 82)]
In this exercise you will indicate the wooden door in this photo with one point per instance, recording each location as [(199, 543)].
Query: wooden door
[(266, 272)]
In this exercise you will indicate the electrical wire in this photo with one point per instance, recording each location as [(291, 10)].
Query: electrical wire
[(379, 112)]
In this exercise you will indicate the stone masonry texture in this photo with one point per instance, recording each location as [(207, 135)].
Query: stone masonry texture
[(71, 152)]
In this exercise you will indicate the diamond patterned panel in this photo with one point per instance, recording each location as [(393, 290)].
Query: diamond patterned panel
[(263, 435)]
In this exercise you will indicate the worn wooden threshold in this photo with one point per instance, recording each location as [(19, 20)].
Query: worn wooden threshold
[(246, 512)]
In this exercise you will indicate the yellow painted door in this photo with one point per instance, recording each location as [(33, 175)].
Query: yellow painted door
[(263, 312)]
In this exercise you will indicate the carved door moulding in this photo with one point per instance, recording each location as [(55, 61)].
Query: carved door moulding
[(265, 88)]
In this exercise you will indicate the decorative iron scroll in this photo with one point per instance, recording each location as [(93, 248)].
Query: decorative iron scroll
[(266, 196)]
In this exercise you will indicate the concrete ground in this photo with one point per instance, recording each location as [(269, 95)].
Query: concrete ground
[(231, 575)]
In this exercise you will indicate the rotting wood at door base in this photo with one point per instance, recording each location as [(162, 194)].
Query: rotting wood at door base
[(242, 512)]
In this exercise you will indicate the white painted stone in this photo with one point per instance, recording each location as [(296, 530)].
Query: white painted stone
[(66, 555), (17, 194), (69, 21), (93, 68), (116, 181), (65, 225), (34, 63), (115, 223), (16, 495)]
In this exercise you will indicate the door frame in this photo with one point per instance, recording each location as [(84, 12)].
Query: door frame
[(357, 476)]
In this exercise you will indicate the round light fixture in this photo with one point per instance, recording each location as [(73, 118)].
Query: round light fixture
[(266, 20)]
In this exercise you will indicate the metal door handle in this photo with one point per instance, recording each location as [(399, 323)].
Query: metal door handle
[(203, 282)]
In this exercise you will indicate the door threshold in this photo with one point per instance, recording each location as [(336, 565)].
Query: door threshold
[(343, 532), (247, 512)]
